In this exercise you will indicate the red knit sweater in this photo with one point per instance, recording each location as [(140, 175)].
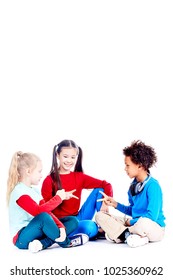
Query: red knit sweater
[(74, 180)]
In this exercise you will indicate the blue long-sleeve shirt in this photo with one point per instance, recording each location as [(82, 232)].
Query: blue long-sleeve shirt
[(148, 204)]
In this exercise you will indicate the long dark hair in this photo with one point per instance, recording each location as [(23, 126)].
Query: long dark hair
[(54, 172)]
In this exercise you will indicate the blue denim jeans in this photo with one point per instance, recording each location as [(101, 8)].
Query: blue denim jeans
[(86, 213), (43, 228)]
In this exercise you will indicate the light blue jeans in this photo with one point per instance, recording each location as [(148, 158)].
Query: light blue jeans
[(86, 213)]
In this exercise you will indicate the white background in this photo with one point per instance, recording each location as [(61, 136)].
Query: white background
[(97, 72)]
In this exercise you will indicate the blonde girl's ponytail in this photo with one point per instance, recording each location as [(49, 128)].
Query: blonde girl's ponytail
[(13, 175), (20, 161)]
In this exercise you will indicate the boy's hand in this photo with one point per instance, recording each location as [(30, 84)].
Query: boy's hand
[(108, 200), (105, 196)]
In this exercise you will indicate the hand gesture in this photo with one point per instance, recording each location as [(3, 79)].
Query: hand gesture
[(108, 200), (70, 195), (61, 194)]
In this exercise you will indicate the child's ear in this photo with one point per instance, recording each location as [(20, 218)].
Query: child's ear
[(28, 171)]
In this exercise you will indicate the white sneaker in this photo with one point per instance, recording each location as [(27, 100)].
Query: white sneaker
[(108, 238), (134, 240), (78, 239), (113, 241), (35, 246)]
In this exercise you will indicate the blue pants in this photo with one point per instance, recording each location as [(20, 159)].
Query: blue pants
[(43, 228), (86, 213)]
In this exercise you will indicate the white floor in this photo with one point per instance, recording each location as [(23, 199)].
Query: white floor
[(98, 256)]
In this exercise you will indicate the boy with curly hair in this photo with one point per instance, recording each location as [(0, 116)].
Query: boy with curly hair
[(146, 220)]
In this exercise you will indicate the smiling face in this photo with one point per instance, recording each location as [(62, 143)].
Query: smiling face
[(67, 159)]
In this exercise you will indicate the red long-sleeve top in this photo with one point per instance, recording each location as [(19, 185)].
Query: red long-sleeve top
[(71, 181)]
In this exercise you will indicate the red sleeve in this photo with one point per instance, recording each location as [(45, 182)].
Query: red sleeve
[(46, 189), (108, 189), (92, 183), (85, 181), (30, 206)]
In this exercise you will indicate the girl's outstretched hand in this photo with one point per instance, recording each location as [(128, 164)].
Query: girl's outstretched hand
[(70, 195), (61, 193), (66, 195)]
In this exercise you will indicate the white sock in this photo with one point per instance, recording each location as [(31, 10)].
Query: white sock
[(35, 246)]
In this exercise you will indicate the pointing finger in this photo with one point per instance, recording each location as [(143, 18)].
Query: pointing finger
[(73, 191), (101, 199), (72, 195), (103, 194)]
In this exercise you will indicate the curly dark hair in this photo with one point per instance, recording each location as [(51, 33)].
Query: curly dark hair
[(140, 153)]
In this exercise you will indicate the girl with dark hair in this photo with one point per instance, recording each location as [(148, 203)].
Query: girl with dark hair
[(67, 173)]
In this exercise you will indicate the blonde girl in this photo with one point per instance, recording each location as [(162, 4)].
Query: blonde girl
[(32, 224)]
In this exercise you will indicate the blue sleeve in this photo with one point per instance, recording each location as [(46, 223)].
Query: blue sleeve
[(154, 196), (133, 221), (127, 210)]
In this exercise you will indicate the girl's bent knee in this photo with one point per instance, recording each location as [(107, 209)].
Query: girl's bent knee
[(88, 227), (44, 216)]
